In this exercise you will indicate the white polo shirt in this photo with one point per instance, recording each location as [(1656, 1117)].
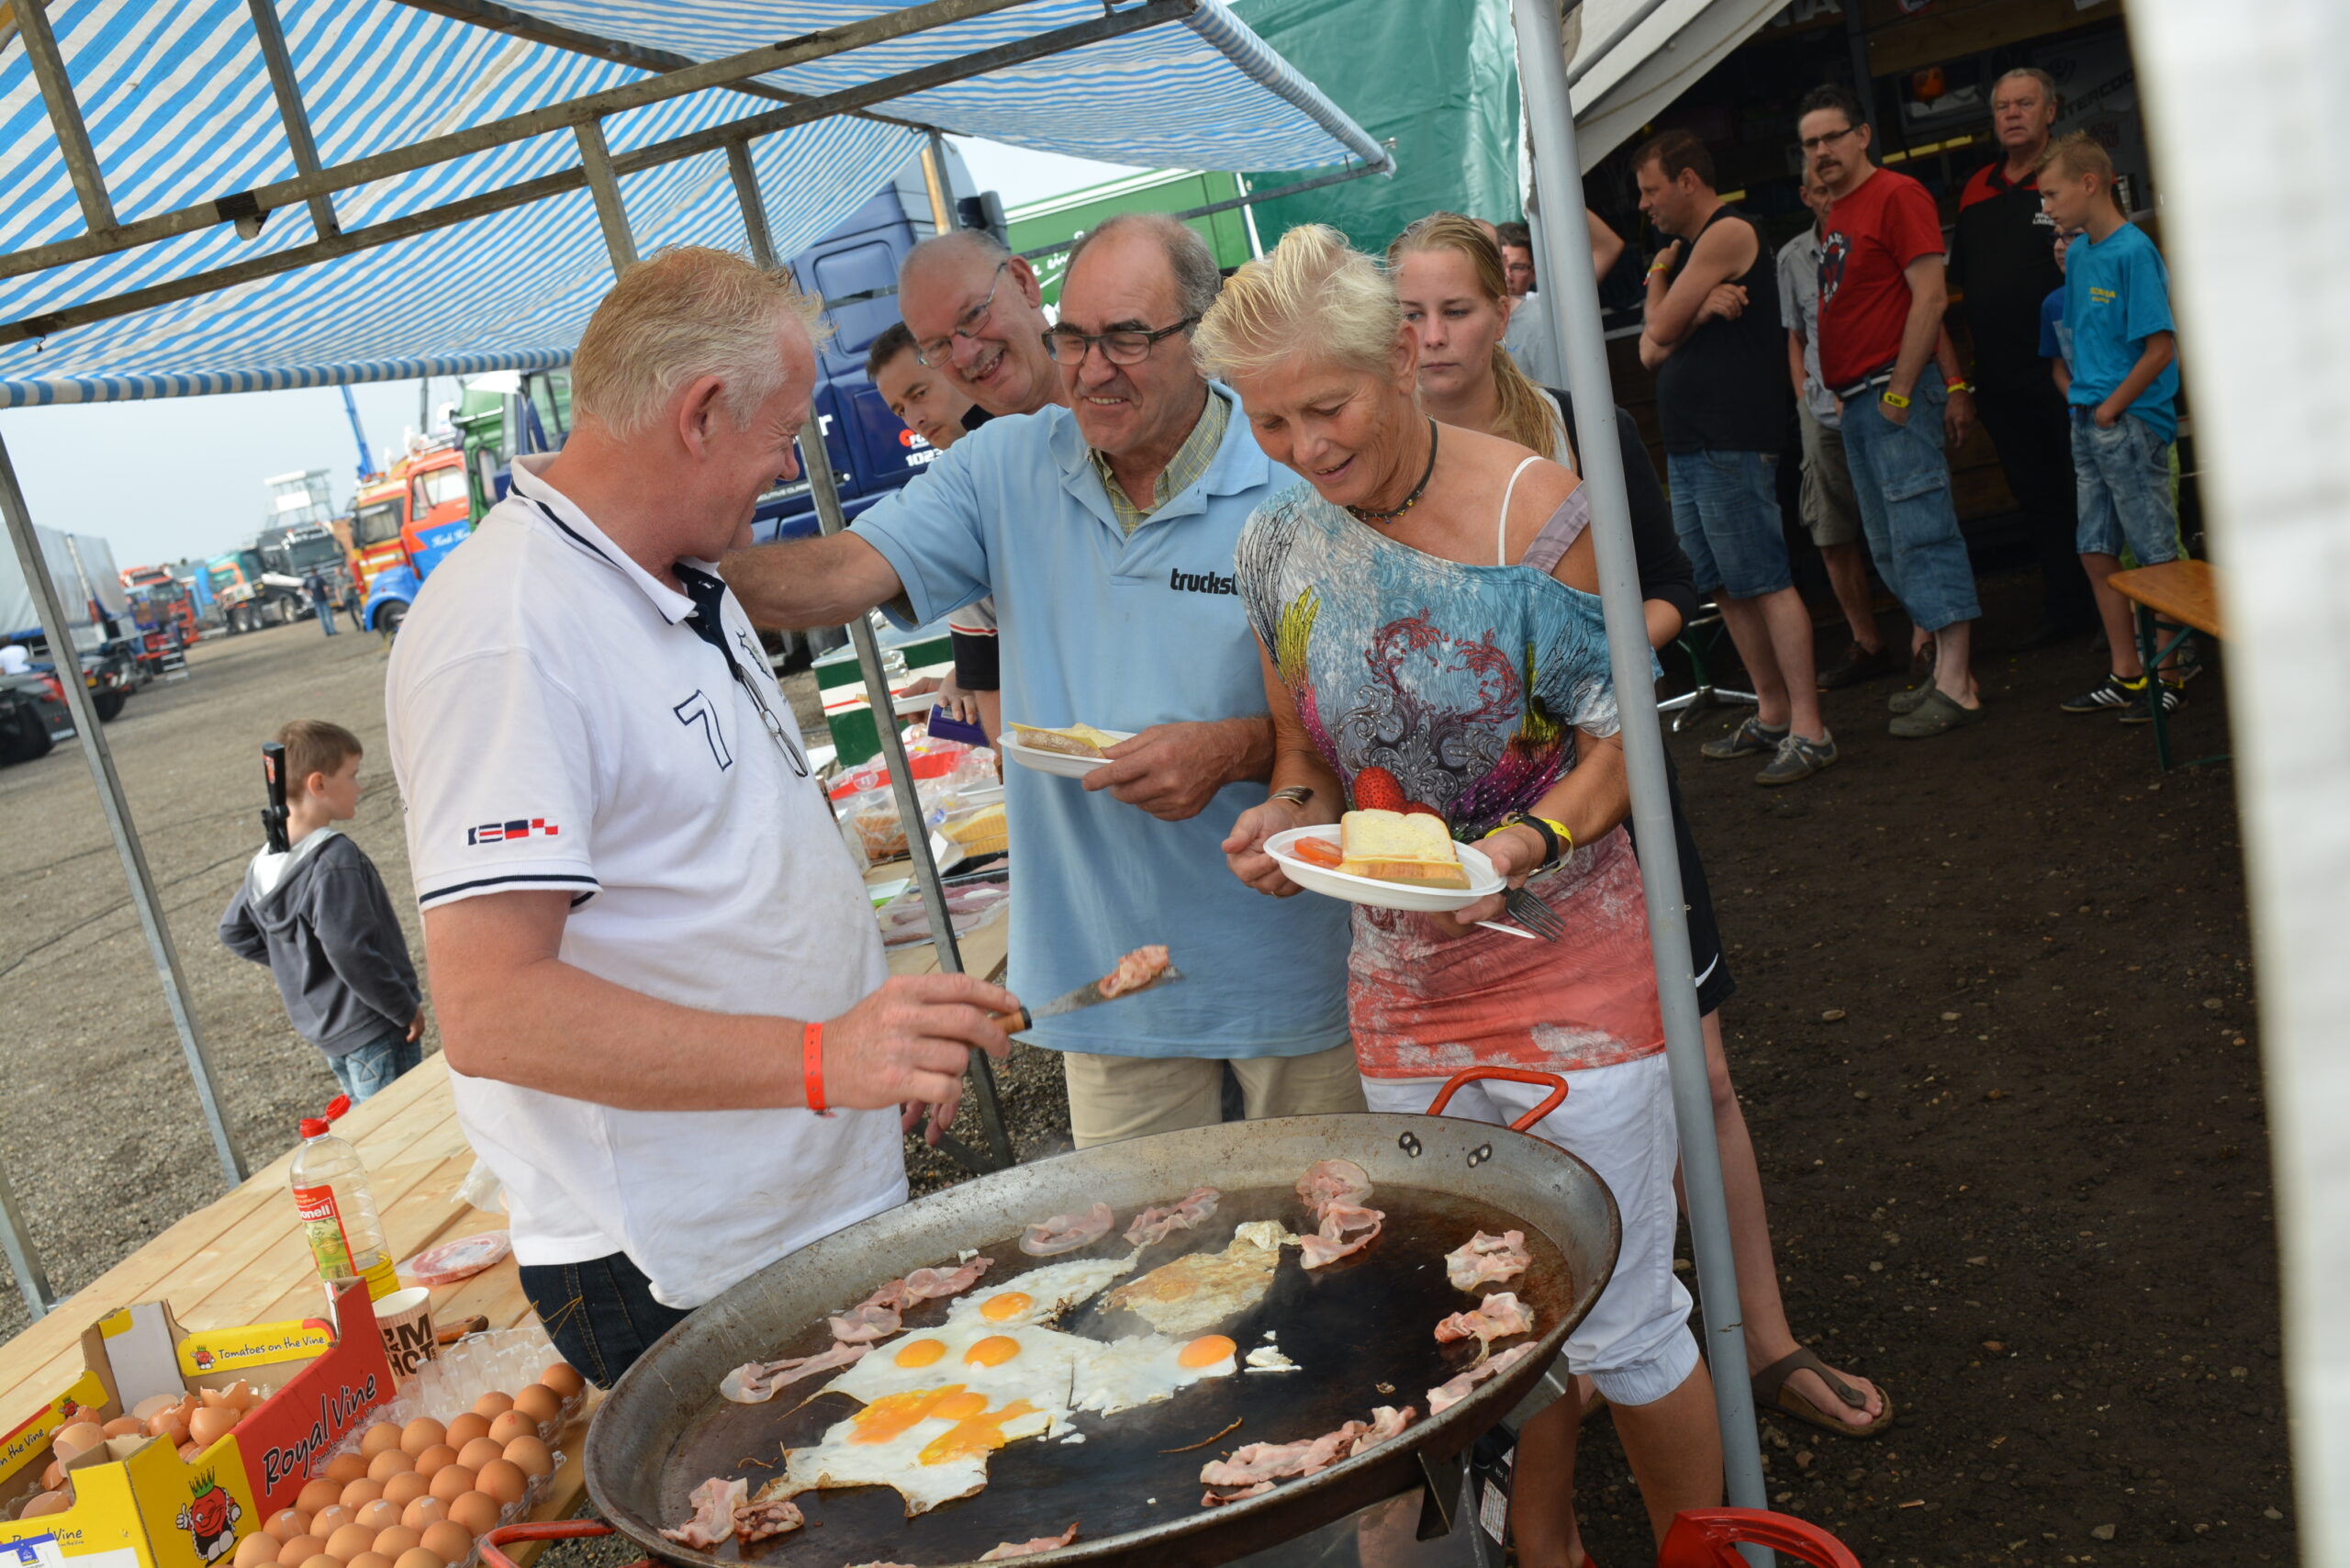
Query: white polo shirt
[(557, 722)]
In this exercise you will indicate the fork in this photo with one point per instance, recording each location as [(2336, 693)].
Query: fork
[(1530, 911)]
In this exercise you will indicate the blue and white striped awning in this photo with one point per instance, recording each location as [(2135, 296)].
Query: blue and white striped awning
[(180, 111)]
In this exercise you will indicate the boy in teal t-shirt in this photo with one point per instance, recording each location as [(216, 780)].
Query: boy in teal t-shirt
[(2121, 379)]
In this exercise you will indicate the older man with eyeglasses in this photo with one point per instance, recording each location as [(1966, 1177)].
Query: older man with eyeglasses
[(1105, 533), (976, 312)]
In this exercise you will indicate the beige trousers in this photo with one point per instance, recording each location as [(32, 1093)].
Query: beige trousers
[(1111, 1098)]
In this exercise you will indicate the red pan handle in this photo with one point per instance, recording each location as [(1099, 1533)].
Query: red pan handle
[(1704, 1538), (552, 1530), (1557, 1097)]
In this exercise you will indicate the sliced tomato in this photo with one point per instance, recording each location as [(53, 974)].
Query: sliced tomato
[(1319, 852)]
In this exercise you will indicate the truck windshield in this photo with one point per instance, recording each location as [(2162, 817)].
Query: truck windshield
[(376, 523), (438, 487), (319, 550)]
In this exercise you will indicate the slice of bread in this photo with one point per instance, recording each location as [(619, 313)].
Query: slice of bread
[(1397, 846), (1077, 740)]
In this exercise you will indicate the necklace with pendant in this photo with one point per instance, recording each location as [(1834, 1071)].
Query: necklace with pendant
[(1365, 514)]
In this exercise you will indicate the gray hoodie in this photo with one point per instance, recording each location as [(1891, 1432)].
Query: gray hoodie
[(318, 916)]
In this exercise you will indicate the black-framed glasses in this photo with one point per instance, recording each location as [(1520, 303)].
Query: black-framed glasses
[(1120, 345), (935, 354), (1814, 143)]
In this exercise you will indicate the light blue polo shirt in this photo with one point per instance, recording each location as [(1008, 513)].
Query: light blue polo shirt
[(1097, 627)]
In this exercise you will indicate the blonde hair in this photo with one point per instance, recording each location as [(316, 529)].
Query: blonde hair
[(1313, 292), (1524, 412), (680, 314), (2076, 154)]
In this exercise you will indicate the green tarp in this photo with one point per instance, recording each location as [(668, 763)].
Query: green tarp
[(1439, 77)]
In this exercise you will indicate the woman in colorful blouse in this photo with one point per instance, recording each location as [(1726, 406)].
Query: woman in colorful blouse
[(1427, 608)]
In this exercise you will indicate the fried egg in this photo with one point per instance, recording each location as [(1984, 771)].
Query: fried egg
[(1200, 1289), (931, 1445), (1149, 1367), (1042, 1294), (1006, 1359)]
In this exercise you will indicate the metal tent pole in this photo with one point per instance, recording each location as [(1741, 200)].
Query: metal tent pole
[(143, 895), (32, 1280), (936, 183), (829, 517), (1558, 175)]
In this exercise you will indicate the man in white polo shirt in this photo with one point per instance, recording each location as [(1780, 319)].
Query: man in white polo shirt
[(655, 966), (1104, 530)]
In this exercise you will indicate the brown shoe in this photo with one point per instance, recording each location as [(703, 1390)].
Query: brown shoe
[(1859, 663)]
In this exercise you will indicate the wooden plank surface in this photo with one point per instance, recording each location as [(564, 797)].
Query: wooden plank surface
[(2187, 591)]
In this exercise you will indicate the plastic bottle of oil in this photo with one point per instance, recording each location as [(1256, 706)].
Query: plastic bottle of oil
[(338, 1212)]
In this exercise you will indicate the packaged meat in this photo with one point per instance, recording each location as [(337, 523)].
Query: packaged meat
[(455, 1260)]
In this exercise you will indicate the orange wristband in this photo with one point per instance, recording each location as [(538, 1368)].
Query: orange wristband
[(811, 1066)]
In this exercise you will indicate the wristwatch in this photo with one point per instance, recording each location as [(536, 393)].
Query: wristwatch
[(1557, 842)]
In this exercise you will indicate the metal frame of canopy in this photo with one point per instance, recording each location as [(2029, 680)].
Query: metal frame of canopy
[(597, 171)]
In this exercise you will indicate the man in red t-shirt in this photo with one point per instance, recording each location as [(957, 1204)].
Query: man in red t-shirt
[(1881, 300)]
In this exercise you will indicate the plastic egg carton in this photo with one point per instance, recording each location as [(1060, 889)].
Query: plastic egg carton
[(502, 1361)]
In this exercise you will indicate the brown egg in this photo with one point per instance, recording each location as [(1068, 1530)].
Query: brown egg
[(466, 1429), (125, 1427), (452, 1481), (540, 1403), (422, 1434), (381, 1514), (190, 1452), (531, 1456), (381, 1435), (502, 1479), (388, 1463), (360, 1492), (155, 1404), (424, 1513), (345, 1468), (369, 1560), (420, 1557), (350, 1541), (492, 1405), (449, 1541), (508, 1427), (480, 1451), (211, 1423), (285, 1525), (53, 1477), (299, 1550), (324, 1559), (565, 1379), (317, 1494), (475, 1513), (47, 1503), (405, 1488), (329, 1519), (257, 1550), (170, 1427), (212, 1398), (76, 1438), (241, 1395), (391, 1542)]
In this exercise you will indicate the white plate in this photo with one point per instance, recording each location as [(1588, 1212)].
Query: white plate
[(1483, 878), (1059, 763)]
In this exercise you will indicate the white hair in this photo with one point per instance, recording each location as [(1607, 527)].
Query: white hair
[(679, 315)]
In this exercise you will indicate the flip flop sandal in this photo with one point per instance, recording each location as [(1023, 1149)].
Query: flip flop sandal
[(1772, 1393)]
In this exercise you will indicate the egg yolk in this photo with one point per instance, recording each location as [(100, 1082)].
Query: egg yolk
[(1010, 1304), (893, 1414), (1204, 1352), (977, 1435), (961, 1407), (920, 1352), (993, 1350)]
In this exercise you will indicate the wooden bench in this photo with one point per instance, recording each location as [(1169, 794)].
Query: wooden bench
[(2187, 593)]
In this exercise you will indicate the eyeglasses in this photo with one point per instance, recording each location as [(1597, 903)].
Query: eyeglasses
[(935, 354), (1129, 345), (1814, 143)]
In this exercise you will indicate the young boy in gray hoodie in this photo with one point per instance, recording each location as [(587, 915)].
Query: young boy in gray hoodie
[(318, 916)]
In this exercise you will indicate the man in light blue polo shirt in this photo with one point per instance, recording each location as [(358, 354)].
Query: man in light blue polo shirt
[(1105, 532)]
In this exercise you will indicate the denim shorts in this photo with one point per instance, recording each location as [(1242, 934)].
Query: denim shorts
[(1726, 509), (1902, 483), (600, 1314), (369, 1070), (2121, 477)]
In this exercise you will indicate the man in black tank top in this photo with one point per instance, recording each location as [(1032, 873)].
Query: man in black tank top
[(1714, 338)]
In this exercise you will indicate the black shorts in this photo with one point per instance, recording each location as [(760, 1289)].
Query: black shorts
[(976, 668), (1716, 985)]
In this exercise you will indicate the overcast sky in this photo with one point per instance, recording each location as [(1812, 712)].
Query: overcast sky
[(182, 476)]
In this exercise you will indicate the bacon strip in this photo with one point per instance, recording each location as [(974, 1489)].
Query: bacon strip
[(755, 1383), (1453, 1393), (1497, 1317), (865, 1322), (1158, 1224), (1254, 1469), (1487, 1258), (714, 1502), (1135, 970), (1329, 1183), (771, 1517), (1067, 1233), (1345, 1229), (937, 1284), (881, 1314), (1042, 1543)]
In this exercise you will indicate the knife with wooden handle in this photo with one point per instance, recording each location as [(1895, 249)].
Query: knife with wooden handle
[(1086, 995)]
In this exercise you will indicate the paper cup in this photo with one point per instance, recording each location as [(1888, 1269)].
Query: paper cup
[(406, 1318)]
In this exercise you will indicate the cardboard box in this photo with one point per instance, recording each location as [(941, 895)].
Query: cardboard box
[(137, 1503)]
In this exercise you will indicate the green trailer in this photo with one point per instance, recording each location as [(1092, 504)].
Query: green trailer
[(1061, 218)]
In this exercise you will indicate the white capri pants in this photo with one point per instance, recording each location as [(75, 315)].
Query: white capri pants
[(1635, 1344)]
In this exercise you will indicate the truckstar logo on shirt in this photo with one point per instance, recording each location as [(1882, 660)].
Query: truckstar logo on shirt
[(506, 832), (1201, 582)]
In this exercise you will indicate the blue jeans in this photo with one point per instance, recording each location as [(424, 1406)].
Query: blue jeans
[(326, 616), (369, 1070), (1726, 509), (1902, 482), (600, 1314), (2122, 478)]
